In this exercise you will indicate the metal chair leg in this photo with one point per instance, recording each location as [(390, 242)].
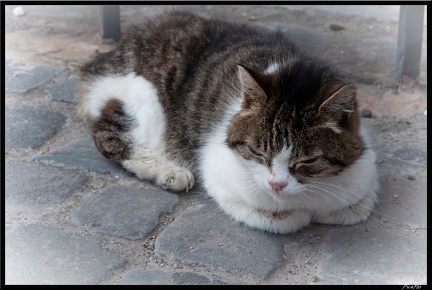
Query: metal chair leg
[(110, 18), (409, 42)]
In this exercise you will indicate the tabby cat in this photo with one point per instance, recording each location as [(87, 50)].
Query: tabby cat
[(273, 135)]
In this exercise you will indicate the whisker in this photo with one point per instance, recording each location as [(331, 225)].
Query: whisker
[(340, 188), (325, 197), (345, 204), (326, 186), (372, 210)]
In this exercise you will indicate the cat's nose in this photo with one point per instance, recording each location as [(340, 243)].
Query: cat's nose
[(278, 185)]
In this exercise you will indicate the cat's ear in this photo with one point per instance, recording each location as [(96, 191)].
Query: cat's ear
[(343, 100), (253, 93)]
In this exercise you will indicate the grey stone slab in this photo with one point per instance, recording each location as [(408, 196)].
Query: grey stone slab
[(376, 256), (66, 91), (188, 278), (146, 277), (27, 127), (20, 78), (206, 236), (402, 193), (159, 277), (412, 155), (34, 188), (38, 254), (83, 154), (124, 211)]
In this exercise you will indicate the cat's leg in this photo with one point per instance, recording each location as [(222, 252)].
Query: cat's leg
[(153, 166), (110, 134), (352, 214)]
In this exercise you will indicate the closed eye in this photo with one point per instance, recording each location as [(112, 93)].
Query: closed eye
[(254, 152), (306, 161), (309, 161), (261, 157)]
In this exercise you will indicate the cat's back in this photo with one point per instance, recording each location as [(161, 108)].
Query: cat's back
[(183, 40), (191, 62)]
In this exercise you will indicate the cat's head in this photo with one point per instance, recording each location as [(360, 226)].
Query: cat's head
[(297, 123)]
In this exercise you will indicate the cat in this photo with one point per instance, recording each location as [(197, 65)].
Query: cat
[(273, 135)]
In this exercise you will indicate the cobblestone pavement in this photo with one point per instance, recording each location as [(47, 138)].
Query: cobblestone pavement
[(72, 217)]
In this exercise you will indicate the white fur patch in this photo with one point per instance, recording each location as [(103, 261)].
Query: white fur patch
[(332, 125), (105, 88), (274, 67), (141, 102), (280, 173)]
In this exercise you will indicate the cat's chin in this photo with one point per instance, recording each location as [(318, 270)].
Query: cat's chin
[(284, 196), (280, 197)]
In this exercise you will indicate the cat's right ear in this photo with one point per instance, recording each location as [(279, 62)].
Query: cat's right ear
[(253, 94), (343, 100)]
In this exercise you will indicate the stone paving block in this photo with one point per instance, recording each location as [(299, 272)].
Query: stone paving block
[(124, 211), (20, 79), (188, 278), (146, 277), (38, 254), (412, 155), (403, 195), (66, 91), (83, 154), (27, 127), (159, 277), (376, 256), (207, 237), (35, 188)]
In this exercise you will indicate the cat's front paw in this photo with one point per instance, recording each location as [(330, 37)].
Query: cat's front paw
[(177, 179)]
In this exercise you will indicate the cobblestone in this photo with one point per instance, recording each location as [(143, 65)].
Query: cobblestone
[(40, 188), (349, 261), (221, 245), (158, 277), (38, 254), (121, 211), (27, 127), (20, 79), (83, 154), (66, 91)]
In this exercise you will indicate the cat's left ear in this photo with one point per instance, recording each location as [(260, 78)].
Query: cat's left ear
[(343, 100), (253, 93)]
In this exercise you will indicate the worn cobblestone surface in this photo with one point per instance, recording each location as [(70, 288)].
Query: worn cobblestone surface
[(27, 127), (73, 217), (83, 154)]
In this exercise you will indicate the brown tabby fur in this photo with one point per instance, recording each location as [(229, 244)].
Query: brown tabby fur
[(194, 65)]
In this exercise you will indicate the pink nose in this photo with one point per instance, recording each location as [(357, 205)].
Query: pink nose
[(278, 185)]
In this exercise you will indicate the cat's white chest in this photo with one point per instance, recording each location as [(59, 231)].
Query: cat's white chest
[(224, 174)]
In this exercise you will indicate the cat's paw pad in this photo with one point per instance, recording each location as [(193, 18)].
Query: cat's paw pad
[(179, 179)]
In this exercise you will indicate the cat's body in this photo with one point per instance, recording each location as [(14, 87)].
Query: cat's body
[(274, 135)]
